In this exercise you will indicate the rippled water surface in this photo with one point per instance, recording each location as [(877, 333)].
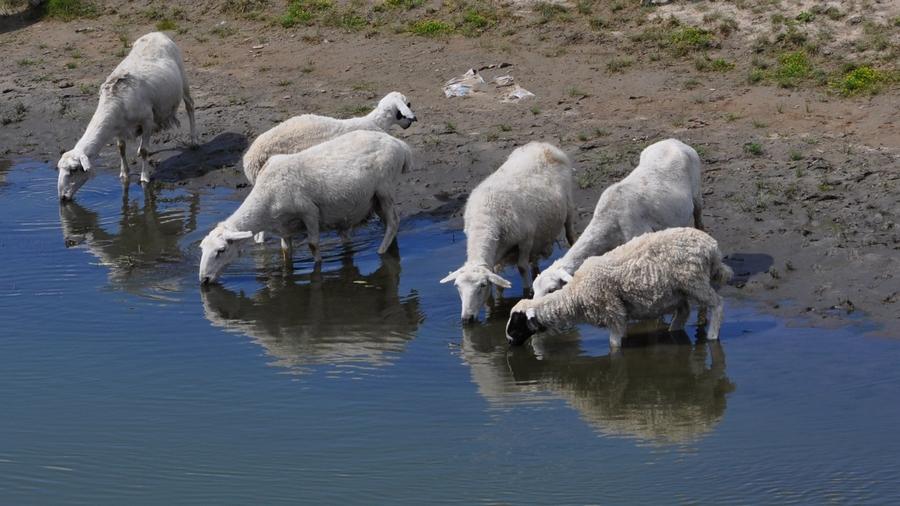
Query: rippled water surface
[(122, 382)]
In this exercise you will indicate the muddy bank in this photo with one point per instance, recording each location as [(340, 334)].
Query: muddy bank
[(801, 186)]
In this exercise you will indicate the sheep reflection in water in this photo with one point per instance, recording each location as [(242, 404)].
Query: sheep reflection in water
[(332, 317), (660, 388), (144, 254)]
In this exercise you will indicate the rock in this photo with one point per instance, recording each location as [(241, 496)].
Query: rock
[(855, 19)]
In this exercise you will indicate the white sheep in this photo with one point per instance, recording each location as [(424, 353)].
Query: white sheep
[(335, 185), (663, 191), (647, 277), (307, 130), (140, 97), (514, 216)]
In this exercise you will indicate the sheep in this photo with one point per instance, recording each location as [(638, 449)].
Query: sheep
[(140, 97), (663, 191), (650, 275), (301, 132), (331, 186), (514, 216)]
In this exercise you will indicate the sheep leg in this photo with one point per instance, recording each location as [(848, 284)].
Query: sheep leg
[(144, 154), (616, 334), (123, 162), (571, 236), (682, 312), (287, 249), (708, 297), (698, 219), (189, 107), (524, 264), (384, 208), (311, 222)]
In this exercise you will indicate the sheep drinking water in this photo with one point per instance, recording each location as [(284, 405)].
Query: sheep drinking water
[(650, 275)]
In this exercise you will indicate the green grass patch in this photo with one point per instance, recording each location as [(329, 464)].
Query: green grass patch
[(689, 39), (404, 4), (166, 25), (705, 64), (618, 65), (753, 148), (431, 28), (67, 10), (793, 67), (549, 11), (862, 79), (303, 12)]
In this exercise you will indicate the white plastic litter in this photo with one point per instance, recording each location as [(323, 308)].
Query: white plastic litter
[(464, 85), (518, 93), (472, 83)]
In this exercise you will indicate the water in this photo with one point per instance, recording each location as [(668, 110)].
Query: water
[(122, 381)]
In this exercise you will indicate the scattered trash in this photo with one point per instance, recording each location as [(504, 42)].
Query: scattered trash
[(506, 80), (472, 83), (464, 85), (518, 93)]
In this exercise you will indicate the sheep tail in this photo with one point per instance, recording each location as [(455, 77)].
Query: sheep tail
[(720, 273)]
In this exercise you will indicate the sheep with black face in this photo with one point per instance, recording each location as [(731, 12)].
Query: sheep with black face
[(514, 217), (300, 132), (651, 275)]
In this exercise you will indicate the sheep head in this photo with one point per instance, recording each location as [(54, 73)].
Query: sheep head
[(395, 109), (74, 170), (549, 281), (522, 323), (474, 283), (218, 249)]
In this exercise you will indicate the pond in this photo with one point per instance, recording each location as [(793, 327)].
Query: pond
[(122, 381)]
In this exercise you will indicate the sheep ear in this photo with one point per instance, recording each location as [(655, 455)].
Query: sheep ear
[(85, 162), (405, 111), (230, 235), (499, 281), (450, 277)]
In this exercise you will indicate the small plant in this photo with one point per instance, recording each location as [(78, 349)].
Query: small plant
[(431, 28), (577, 93), (731, 117), (755, 76), (796, 156), (71, 65), (450, 128), (689, 39), (753, 148), (863, 79), (805, 17), (550, 11), (535, 110), (87, 89), (223, 30), (304, 12), (166, 24), (474, 21), (67, 10), (404, 4), (505, 128), (597, 24), (243, 7), (793, 67), (618, 65), (25, 62), (582, 137), (759, 124), (692, 84), (284, 82)]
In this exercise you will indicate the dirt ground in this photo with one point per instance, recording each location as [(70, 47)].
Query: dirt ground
[(800, 183)]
